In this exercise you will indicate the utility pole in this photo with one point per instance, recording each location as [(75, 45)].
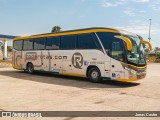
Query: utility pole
[(150, 20), (150, 29)]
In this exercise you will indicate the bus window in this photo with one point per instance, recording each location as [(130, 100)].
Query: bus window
[(106, 39), (117, 51), (18, 45), (39, 43), (28, 44), (98, 45), (68, 42), (53, 43), (86, 41)]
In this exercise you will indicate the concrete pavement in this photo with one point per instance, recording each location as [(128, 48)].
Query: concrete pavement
[(20, 91)]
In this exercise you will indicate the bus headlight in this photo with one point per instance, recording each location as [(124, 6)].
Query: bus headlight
[(141, 75)]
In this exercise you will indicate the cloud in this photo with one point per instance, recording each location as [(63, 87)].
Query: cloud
[(112, 3), (141, 1), (134, 12), (135, 29), (130, 12), (142, 11), (140, 29), (106, 3), (155, 5)]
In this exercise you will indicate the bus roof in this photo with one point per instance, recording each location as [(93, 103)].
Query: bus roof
[(71, 32)]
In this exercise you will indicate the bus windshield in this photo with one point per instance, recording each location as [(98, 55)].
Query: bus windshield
[(136, 55)]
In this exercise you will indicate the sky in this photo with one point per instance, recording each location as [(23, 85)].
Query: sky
[(28, 17)]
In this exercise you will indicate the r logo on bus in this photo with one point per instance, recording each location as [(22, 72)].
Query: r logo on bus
[(77, 60)]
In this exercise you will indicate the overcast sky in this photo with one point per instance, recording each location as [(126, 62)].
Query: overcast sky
[(27, 17)]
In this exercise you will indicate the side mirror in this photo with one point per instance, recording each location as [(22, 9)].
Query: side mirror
[(147, 42), (127, 41)]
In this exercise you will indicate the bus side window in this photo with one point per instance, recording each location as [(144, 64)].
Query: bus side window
[(68, 42), (39, 43), (18, 45), (28, 44), (98, 45), (86, 41), (53, 43), (117, 51)]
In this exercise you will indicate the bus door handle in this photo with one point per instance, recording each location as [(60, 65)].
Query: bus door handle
[(113, 66)]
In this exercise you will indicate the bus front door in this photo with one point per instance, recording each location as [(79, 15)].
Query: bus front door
[(117, 70)]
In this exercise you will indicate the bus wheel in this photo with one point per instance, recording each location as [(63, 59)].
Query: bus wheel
[(30, 68), (94, 75)]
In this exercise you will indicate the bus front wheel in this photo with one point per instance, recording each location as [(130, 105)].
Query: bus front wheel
[(30, 68), (94, 75)]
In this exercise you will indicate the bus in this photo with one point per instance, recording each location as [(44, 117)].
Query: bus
[(95, 53)]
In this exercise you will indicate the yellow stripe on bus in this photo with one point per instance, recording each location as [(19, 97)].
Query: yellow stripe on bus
[(126, 80), (17, 67), (68, 33), (133, 65), (73, 74)]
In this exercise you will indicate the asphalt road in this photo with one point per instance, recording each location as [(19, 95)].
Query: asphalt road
[(20, 91)]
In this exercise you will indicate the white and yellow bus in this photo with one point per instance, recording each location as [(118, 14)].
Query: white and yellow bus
[(96, 53)]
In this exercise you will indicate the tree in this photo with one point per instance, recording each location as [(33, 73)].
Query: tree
[(157, 49), (1, 44), (9, 48), (56, 29)]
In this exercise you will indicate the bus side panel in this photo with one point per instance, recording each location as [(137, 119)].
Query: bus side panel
[(79, 60), (127, 71), (17, 59), (46, 60), (107, 71), (94, 58), (33, 57), (13, 58), (55, 62), (117, 70), (73, 65)]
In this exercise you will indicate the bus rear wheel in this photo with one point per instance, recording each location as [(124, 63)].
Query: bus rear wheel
[(30, 68), (94, 75)]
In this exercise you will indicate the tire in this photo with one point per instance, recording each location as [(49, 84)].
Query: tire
[(94, 75), (30, 68)]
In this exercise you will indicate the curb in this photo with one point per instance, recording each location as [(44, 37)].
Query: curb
[(5, 63)]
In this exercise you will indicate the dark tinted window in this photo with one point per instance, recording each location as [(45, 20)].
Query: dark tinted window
[(97, 41), (18, 45), (68, 42), (28, 44), (39, 43), (86, 41), (106, 39), (53, 43), (117, 51)]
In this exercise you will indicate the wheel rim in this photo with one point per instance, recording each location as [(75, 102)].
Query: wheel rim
[(94, 74)]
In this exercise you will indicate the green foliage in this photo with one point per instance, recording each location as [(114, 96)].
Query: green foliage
[(1, 45), (9, 48), (157, 49), (158, 56), (56, 29)]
